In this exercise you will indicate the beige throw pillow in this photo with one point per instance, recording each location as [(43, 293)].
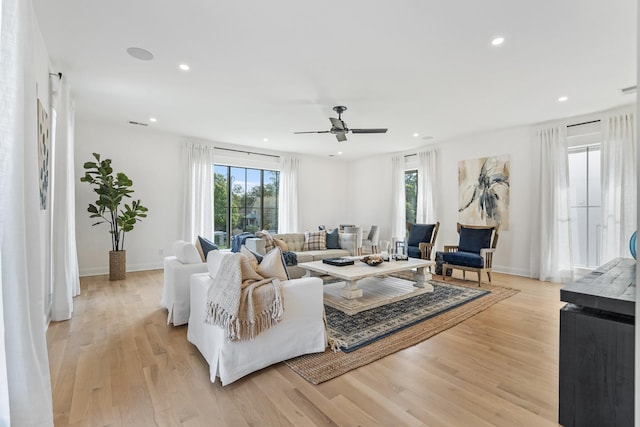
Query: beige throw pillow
[(272, 265), (250, 256), (281, 244)]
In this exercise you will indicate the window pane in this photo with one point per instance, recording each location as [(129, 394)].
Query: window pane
[(238, 199), (579, 236), (578, 178), (594, 177), (221, 206), (411, 194), (594, 224)]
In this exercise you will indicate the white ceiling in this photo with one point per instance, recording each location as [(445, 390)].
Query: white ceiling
[(264, 69)]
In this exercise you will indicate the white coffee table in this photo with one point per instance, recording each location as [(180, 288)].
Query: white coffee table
[(352, 274)]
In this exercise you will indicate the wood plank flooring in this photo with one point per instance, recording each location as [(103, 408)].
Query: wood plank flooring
[(117, 363)]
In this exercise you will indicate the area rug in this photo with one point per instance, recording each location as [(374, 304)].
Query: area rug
[(360, 329), (319, 367)]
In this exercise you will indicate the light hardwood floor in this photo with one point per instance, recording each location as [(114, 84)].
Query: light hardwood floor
[(117, 363)]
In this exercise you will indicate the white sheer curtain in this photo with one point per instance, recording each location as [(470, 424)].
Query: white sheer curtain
[(553, 257), (288, 210), (425, 212), (198, 206), (25, 384), (398, 205), (65, 277), (619, 194)]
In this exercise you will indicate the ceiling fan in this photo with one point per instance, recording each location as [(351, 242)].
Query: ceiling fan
[(340, 129)]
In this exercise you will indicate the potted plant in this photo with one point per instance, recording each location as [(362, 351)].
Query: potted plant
[(112, 189)]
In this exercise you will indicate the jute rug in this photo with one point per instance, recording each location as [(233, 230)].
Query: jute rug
[(320, 367)]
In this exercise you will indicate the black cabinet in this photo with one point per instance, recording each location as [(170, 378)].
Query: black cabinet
[(597, 348)]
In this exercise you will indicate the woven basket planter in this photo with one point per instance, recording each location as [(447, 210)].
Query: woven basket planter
[(117, 265)]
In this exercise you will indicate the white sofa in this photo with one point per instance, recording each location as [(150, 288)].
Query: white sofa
[(295, 241), (301, 330), (177, 272)]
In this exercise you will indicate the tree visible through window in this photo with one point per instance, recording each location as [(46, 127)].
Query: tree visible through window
[(411, 194), (244, 200)]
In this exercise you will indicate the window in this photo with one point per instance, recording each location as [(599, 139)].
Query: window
[(584, 201), (244, 200), (411, 194)]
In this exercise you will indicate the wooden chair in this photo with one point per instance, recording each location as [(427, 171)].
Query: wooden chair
[(421, 239), (474, 251)]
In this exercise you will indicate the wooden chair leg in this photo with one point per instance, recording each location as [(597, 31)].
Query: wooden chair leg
[(489, 276), (479, 278)]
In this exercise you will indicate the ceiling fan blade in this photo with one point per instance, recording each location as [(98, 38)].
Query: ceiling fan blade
[(341, 137), (337, 123), (368, 130), (315, 131)]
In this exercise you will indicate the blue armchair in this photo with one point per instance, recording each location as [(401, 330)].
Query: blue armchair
[(474, 251), (420, 240)]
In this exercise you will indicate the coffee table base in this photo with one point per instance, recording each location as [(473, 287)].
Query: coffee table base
[(377, 291)]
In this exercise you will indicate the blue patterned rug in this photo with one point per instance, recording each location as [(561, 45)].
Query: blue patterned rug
[(363, 328)]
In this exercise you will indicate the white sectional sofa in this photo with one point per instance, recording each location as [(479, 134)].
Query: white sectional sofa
[(295, 242), (301, 330)]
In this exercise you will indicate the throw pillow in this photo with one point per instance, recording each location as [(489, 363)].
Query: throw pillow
[(272, 265), (248, 273), (333, 239), (474, 239), (207, 245), (315, 241), (251, 256), (281, 244), (420, 233), (186, 252), (200, 251), (268, 240)]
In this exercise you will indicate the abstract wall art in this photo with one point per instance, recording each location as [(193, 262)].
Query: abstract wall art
[(44, 153), (483, 191)]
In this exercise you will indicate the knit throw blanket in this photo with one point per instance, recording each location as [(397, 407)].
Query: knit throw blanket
[(242, 308)]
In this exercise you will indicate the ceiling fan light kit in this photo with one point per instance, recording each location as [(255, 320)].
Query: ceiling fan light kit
[(340, 129)]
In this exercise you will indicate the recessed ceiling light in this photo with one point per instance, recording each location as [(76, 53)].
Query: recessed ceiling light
[(153, 119), (140, 53), (497, 41), (562, 99), (339, 153), (416, 134), (266, 140), (184, 67)]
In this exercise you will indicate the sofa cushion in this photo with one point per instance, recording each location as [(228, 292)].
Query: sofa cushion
[(467, 259), (186, 252), (327, 253), (207, 245), (315, 241), (272, 265), (474, 239), (304, 256), (333, 239), (420, 233)]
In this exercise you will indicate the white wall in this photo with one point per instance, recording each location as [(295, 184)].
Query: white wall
[(155, 162), (371, 188)]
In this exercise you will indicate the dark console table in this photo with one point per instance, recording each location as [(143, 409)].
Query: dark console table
[(597, 347)]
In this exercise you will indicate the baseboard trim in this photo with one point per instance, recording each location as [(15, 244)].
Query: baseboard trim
[(98, 271)]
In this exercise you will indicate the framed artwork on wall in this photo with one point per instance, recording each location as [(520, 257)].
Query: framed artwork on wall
[(483, 191), (44, 153)]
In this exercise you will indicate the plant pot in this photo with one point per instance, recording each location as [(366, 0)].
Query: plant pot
[(117, 265)]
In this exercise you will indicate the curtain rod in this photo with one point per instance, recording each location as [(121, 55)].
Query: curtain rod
[(585, 123), (247, 152)]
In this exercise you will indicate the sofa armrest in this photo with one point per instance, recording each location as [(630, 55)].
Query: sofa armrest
[(256, 245)]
